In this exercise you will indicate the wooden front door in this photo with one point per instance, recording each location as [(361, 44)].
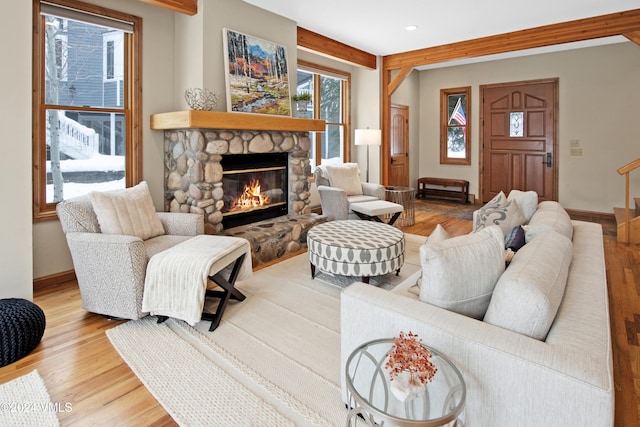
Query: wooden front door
[(399, 146), (519, 138)]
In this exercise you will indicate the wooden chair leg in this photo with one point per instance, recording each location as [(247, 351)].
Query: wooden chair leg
[(229, 292)]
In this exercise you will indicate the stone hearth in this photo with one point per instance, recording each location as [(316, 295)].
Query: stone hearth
[(274, 238)]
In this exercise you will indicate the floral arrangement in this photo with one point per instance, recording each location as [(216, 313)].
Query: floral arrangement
[(407, 354)]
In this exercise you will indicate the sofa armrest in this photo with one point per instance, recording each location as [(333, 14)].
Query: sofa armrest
[(334, 202), (503, 370), (375, 190), (182, 224), (105, 286)]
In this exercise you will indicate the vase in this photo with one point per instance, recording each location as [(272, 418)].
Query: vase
[(406, 386), (302, 107)]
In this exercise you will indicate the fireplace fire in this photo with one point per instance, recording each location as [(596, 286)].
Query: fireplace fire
[(255, 187), (252, 197)]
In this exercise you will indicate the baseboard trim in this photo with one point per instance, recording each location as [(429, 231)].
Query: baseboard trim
[(54, 279), (591, 216)]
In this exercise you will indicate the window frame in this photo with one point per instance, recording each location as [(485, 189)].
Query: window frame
[(132, 105), (317, 71), (444, 126)]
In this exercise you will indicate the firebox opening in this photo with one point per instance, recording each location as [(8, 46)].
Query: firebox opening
[(255, 187)]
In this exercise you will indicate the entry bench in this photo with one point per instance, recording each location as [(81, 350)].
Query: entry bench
[(425, 188)]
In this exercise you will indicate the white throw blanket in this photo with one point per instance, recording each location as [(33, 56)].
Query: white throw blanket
[(176, 279)]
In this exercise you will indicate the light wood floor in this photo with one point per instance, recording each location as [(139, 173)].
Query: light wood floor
[(79, 365)]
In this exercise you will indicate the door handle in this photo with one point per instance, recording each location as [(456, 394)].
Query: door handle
[(549, 160)]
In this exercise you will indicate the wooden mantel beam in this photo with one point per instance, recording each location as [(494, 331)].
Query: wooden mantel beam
[(627, 22), (318, 43)]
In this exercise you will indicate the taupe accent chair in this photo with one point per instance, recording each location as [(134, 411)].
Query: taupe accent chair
[(111, 268), (340, 191)]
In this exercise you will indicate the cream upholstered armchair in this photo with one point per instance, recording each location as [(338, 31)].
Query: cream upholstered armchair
[(339, 186), (111, 267)]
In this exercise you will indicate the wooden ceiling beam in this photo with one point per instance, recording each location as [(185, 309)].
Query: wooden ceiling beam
[(627, 22), (634, 37), (188, 7), (318, 43), (393, 85)]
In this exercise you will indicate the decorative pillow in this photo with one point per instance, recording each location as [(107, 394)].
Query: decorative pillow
[(459, 273), (498, 211), (439, 234), (527, 200), (528, 294), (129, 211), (550, 215), (347, 177), (515, 239)]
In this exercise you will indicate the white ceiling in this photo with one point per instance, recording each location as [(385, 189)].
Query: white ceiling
[(379, 27)]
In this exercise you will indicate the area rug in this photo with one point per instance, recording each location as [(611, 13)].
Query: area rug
[(445, 208), (274, 359), (25, 401)]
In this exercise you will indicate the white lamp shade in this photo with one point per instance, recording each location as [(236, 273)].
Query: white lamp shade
[(368, 137)]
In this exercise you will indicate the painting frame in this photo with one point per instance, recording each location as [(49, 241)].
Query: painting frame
[(256, 75)]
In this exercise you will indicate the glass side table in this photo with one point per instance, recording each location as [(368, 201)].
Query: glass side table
[(369, 394), (405, 196)]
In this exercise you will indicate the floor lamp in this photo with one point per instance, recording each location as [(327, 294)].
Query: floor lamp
[(368, 137)]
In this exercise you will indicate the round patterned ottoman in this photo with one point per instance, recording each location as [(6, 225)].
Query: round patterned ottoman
[(355, 248), (21, 328)]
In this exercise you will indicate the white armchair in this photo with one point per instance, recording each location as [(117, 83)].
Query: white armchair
[(111, 268), (339, 187)]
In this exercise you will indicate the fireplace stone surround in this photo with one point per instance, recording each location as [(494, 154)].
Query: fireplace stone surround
[(193, 184), (193, 173)]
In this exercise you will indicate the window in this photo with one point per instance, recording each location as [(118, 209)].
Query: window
[(87, 102), (330, 94), (455, 125)]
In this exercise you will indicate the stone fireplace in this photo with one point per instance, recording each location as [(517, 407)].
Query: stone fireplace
[(195, 176), (197, 147)]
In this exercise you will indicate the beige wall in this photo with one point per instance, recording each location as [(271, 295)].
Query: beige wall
[(50, 251), (15, 121), (599, 89)]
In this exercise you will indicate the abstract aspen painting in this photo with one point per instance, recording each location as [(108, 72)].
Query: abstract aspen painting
[(256, 75)]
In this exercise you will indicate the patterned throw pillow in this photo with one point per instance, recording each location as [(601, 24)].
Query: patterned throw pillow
[(499, 211)]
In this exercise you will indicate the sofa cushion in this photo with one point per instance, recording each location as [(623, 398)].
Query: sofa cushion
[(459, 273), (129, 212), (529, 292), (527, 200), (347, 177), (498, 211), (550, 215)]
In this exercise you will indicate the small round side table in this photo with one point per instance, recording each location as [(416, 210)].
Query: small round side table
[(405, 196), (369, 391)]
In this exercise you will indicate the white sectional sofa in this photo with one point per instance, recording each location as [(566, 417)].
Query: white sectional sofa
[(512, 378)]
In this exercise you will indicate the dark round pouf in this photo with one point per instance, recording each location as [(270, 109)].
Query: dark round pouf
[(21, 328)]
